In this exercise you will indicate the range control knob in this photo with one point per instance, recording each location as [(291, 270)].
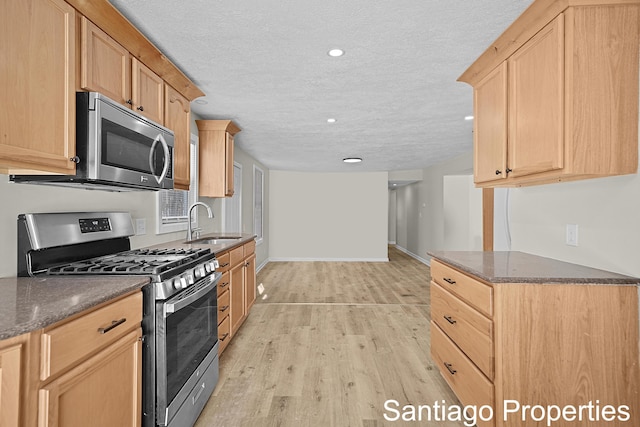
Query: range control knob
[(202, 271), (177, 284), (197, 273), (207, 266), (183, 282), (190, 279)]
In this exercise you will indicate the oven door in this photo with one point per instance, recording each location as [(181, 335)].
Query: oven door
[(186, 338)]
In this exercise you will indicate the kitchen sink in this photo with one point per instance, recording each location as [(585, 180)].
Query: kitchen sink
[(215, 240)]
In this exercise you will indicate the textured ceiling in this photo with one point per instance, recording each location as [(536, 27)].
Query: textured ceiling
[(264, 64)]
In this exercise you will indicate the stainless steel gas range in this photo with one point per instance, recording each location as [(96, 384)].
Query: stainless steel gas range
[(180, 347)]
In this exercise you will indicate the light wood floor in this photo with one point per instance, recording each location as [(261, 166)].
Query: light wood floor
[(326, 344)]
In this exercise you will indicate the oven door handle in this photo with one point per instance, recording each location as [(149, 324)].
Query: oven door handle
[(167, 157), (210, 283)]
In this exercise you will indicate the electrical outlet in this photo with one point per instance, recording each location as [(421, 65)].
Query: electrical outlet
[(572, 235), (141, 226)]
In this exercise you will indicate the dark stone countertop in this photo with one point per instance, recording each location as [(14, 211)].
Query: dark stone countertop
[(31, 303), (216, 248), (520, 267)]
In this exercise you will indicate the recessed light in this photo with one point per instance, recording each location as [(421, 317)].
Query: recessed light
[(468, 117), (352, 160), (331, 120), (335, 52), (201, 101)]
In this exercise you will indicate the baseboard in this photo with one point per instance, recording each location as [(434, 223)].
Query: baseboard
[(261, 266), (412, 255), (329, 259), (392, 242)]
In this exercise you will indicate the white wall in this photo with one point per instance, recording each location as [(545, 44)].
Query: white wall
[(328, 216), (462, 206), (392, 216)]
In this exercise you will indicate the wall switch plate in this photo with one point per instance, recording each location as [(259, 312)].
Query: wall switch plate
[(141, 226), (572, 235)]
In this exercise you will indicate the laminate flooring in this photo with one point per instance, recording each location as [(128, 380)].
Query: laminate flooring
[(326, 344)]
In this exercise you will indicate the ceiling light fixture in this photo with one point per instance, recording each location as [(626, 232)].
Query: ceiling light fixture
[(335, 52), (331, 120), (352, 159), (201, 101), (468, 117)]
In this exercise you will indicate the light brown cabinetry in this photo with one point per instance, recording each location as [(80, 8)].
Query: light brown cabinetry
[(37, 82), (108, 68), (91, 368), (216, 157), (563, 344), (177, 117), (12, 384), (556, 96), (236, 290)]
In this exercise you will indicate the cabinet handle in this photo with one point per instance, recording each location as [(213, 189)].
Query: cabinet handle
[(224, 285), (224, 308), (450, 320), (498, 172), (509, 170), (113, 324), (449, 368), (75, 159), (224, 337), (226, 264), (140, 108), (128, 101), (449, 281)]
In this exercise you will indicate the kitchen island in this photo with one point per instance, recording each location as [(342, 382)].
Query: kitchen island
[(510, 329)]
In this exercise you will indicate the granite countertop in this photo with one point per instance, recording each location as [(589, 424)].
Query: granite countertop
[(215, 248), (32, 303), (520, 267)]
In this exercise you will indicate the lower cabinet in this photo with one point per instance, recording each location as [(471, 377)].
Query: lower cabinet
[(11, 381), (236, 290), (546, 345)]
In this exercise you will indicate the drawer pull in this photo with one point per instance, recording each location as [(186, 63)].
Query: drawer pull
[(224, 337), (113, 324), (226, 264), (449, 281), (450, 320), (224, 308), (224, 285), (449, 366)]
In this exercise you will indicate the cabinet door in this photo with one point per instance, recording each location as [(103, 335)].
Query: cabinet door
[(105, 66), (229, 165), (37, 83), (536, 102), (237, 314), (10, 384), (250, 282), (147, 92), (103, 391), (177, 117), (490, 126)]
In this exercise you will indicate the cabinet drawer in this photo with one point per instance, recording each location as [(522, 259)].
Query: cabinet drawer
[(466, 381), (224, 262), (470, 290), (224, 334), (64, 345), (236, 255), (223, 305), (249, 248), (465, 326), (223, 283)]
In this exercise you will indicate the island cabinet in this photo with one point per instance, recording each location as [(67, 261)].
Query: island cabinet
[(216, 157), (37, 82), (556, 95), (510, 329), (91, 368), (236, 290)]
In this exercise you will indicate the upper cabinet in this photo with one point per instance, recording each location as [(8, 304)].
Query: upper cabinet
[(216, 157), (559, 100), (107, 67), (177, 117), (37, 82)]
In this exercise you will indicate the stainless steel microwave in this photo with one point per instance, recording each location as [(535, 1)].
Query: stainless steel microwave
[(116, 149)]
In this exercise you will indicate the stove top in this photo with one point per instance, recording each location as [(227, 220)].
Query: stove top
[(137, 261)]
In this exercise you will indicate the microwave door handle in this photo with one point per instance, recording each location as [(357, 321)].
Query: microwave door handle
[(167, 157)]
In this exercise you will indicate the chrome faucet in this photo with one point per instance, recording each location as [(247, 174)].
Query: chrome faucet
[(189, 230)]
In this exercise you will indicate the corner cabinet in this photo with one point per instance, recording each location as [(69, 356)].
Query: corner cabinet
[(216, 157), (536, 342), (37, 82), (177, 117), (558, 101)]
